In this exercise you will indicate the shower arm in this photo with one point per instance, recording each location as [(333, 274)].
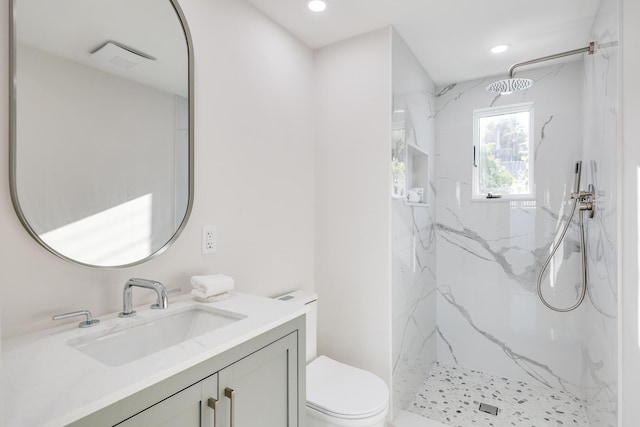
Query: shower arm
[(590, 49)]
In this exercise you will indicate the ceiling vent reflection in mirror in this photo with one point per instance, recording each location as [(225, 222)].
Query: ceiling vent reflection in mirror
[(121, 56)]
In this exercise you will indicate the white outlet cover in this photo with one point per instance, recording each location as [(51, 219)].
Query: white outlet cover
[(209, 239)]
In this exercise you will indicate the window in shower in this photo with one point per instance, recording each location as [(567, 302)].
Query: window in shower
[(502, 152)]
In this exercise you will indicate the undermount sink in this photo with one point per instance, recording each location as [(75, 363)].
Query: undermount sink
[(121, 346)]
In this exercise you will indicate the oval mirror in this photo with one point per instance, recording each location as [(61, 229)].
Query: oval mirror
[(101, 144)]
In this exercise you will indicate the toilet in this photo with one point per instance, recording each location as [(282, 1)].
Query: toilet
[(338, 395)]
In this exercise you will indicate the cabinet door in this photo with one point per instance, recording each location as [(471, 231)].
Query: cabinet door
[(262, 388), (187, 408)]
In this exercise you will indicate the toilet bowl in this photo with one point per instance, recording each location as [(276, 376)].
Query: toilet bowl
[(338, 395)]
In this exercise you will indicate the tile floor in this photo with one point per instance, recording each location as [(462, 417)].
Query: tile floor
[(409, 419), (451, 395)]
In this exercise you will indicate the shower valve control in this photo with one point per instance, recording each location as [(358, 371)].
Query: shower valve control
[(586, 199)]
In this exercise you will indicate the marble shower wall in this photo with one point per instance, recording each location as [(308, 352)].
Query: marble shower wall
[(490, 251), (413, 234), (599, 349)]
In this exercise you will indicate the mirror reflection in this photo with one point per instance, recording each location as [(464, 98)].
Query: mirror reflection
[(101, 147)]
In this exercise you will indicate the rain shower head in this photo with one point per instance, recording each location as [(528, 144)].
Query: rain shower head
[(513, 84), (510, 85)]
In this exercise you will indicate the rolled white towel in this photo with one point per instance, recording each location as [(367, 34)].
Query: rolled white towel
[(211, 285)]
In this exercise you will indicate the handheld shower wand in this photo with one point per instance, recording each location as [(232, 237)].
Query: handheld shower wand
[(578, 173), (585, 200)]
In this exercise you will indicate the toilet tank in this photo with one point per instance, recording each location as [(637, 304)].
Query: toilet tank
[(310, 299)]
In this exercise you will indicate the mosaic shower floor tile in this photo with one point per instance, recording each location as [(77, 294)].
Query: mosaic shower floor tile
[(452, 395)]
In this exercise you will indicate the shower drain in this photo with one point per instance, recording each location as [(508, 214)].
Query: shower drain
[(489, 409)]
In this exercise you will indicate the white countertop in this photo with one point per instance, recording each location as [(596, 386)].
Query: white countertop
[(46, 382)]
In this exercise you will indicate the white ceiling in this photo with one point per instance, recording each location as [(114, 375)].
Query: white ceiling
[(451, 38)]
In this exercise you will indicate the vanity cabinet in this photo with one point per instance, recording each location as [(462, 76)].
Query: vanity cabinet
[(259, 390), (184, 409), (258, 383)]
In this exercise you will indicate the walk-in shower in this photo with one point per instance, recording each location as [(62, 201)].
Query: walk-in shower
[(585, 202), (473, 345)]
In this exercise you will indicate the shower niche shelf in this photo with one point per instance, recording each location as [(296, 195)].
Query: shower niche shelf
[(410, 167), (417, 204), (417, 173)]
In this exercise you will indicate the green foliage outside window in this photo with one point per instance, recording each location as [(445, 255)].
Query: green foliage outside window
[(495, 178), (399, 169)]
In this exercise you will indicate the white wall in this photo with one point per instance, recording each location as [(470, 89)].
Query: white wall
[(353, 90), (254, 178), (629, 231)]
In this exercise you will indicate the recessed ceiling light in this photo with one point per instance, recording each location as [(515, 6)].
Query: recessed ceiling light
[(499, 48), (317, 5)]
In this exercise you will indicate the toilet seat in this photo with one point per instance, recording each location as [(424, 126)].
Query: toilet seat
[(342, 391)]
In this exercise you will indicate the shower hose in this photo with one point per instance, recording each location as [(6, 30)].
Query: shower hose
[(583, 251)]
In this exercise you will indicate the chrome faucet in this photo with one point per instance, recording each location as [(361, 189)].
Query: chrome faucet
[(163, 300)]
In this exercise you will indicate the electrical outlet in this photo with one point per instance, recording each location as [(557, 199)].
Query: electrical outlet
[(209, 239)]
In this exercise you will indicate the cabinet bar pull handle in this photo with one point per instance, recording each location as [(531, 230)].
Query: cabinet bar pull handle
[(228, 392), (213, 404)]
